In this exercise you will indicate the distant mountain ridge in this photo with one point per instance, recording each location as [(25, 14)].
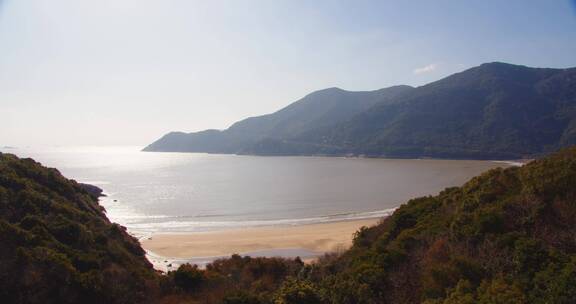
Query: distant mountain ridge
[(319, 109), (495, 110)]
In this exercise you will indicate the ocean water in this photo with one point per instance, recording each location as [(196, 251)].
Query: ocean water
[(152, 192)]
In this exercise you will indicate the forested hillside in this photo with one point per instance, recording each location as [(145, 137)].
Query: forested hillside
[(506, 236), (57, 244), (495, 110), (324, 108)]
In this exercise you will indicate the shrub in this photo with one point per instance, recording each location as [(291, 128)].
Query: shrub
[(297, 292), (188, 277)]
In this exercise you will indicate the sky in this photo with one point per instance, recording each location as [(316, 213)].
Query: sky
[(125, 72)]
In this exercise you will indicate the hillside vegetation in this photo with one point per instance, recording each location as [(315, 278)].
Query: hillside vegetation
[(493, 111), (506, 236), (58, 246)]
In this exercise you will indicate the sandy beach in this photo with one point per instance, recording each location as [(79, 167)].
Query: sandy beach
[(318, 238)]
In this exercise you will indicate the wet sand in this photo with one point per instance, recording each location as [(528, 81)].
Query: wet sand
[(315, 238)]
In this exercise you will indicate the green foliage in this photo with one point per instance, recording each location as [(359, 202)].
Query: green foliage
[(556, 283), (59, 247), (232, 280), (463, 293), (297, 292), (189, 277), (504, 237), (241, 297), (499, 291)]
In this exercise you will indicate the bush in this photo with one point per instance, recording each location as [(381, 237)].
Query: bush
[(297, 292), (189, 277), (241, 297)]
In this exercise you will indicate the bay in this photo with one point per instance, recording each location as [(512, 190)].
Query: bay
[(152, 192)]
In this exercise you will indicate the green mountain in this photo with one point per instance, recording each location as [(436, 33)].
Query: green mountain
[(57, 246), (323, 108), (495, 110)]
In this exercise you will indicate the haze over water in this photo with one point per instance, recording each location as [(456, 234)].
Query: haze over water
[(182, 192)]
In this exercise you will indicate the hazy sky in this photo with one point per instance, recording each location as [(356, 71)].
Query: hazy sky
[(128, 71)]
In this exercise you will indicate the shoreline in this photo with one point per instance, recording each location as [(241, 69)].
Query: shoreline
[(168, 251), (359, 156)]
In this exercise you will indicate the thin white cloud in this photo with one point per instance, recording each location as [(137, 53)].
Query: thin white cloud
[(426, 69)]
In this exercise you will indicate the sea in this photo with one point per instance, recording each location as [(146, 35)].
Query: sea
[(153, 192)]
